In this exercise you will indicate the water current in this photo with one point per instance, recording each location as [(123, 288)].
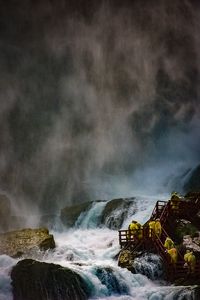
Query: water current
[(91, 251)]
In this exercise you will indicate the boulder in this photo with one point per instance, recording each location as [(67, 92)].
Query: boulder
[(33, 280), (194, 199), (110, 280), (192, 196), (70, 214), (112, 216), (20, 242), (116, 211), (183, 227)]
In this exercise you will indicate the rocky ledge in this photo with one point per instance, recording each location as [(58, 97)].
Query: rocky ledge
[(20, 242), (33, 280), (113, 214)]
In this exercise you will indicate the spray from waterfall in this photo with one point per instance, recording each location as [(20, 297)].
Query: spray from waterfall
[(97, 100)]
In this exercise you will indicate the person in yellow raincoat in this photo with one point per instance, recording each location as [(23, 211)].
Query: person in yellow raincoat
[(186, 255), (173, 255), (151, 228), (139, 232), (190, 260), (175, 201), (158, 228), (132, 230), (168, 244)]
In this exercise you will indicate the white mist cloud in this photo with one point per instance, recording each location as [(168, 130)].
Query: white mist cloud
[(109, 97)]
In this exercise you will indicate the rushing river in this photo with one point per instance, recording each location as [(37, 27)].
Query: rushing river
[(92, 251)]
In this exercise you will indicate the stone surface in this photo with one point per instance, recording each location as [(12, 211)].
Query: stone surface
[(34, 280), (116, 211), (112, 216), (19, 242), (70, 214)]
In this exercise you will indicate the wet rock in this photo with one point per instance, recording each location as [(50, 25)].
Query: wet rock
[(182, 228), (33, 280), (192, 243), (126, 258), (112, 216), (70, 214), (116, 211), (193, 198), (108, 278), (19, 242)]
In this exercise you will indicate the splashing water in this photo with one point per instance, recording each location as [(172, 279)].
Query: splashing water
[(6, 263), (90, 218), (92, 252)]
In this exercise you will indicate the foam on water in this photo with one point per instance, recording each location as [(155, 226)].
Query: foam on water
[(92, 252), (6, 263), (89, 219)]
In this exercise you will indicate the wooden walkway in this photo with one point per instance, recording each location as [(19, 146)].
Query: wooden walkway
[(163, 210)]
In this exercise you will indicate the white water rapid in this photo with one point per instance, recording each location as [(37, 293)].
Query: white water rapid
[(92, 251)]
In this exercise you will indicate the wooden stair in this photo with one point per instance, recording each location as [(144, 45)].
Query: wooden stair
[(165, 213)]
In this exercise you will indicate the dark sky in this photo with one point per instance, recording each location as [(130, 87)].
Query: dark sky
[(97, 98)]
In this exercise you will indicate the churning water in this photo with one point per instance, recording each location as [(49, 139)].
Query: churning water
[(91, 252)]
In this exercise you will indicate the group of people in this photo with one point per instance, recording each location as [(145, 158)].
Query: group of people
[(135, 229), (155, 228), (171, 250), (189, 257), (136, 233)]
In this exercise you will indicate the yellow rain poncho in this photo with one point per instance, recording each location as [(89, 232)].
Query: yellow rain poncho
[(151, 228), (168, 243), (132, 229), (158, 228), (173, 254), (190, 259)]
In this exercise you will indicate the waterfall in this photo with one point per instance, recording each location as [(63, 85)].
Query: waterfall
[(92, 252), (91, 218), (6, 264), (150, 265)]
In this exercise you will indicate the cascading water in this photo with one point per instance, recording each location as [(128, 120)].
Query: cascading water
[(6, 263), (97, 98), (91, 252), (90, 219)]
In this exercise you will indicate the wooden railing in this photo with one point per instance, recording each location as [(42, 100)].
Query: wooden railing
[(164, 211), (158, 209), (125, 237)]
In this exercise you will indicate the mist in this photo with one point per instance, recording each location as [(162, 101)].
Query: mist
[(97, 100)]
